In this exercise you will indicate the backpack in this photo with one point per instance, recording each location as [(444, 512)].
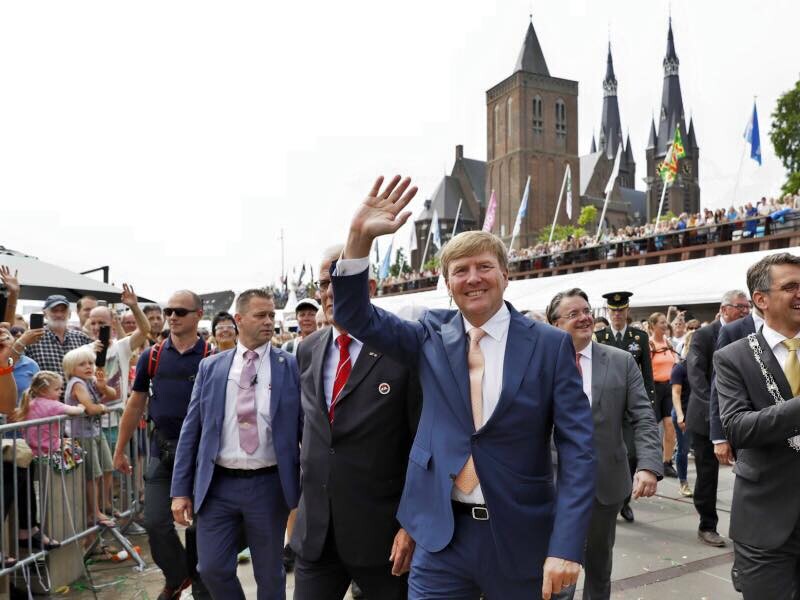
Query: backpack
[(155, 357)]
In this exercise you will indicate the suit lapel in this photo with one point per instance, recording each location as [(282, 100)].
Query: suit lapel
[(277, 364), (599, 370), (774, 367), (455, 347), (219, 395), (318, 368), (366, 360), (520, 344)]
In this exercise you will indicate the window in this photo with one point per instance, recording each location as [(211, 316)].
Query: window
[(538, 121), (496, 123), (561, 119), (509, 118)]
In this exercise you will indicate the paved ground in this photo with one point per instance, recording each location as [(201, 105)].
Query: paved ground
[(657, 557)]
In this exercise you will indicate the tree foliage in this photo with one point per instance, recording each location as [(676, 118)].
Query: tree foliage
[(588, 215), (400, 264), (561, 232), (785, 136)]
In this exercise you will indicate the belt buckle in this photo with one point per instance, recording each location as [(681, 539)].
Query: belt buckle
[(480, 513)]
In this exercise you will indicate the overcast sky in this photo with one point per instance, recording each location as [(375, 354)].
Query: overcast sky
[(174, 140)]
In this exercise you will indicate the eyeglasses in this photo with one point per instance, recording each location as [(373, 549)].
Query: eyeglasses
[(743, 306), (179, 312), (571, 316), (225, 328)]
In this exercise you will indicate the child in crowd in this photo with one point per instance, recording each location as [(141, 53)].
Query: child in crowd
[(39, 401), (86, 386)]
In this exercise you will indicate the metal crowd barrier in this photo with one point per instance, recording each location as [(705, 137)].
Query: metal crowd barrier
[(50, 489)]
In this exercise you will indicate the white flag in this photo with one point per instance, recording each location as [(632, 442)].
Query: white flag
[(412, 241), (614, 173), (436, 236), (568, 175), (523, 208)]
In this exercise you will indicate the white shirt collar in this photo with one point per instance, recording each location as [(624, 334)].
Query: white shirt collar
[(773, 337), (496, 327), (337, 332), (758, 320), (620, 331), (587, 351), (241, 349)]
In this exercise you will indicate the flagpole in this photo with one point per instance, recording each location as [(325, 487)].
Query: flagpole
[(425, 253), (458, 214), (661, 204), (558, 206), (603, 215), (739, 173)]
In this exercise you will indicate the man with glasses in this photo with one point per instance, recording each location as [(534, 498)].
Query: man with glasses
[(699, 369), (758, 380), (614, 386), (171, 373), (636, 342)]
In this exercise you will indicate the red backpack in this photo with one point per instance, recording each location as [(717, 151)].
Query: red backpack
[(155, 357)]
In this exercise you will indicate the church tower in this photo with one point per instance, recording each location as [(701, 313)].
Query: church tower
[(532, 130), (683, 195), (611, 129)]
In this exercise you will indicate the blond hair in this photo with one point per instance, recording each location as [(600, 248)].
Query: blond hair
[(41, 382), (472, 243), (75, 357)]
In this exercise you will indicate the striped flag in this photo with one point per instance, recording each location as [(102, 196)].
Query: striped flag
[(523, 209), (569, 192), (488, 222)]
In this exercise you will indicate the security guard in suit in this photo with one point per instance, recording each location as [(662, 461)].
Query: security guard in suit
[(635, 341)]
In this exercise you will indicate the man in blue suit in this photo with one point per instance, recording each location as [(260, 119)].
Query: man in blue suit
[(479, 498), (238, 454)]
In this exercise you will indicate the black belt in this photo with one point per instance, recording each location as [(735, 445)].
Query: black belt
[(479, 512), (247, 472)]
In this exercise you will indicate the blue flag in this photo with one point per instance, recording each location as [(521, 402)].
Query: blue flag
[(752, 137), (387, 258)]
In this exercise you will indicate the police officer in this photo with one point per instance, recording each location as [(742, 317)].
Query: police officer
[(167, 370), (635, 341)]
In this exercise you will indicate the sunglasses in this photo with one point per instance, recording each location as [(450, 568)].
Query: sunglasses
[(179, 312)]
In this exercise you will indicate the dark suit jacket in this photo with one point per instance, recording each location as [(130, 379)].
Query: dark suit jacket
[(542, 395), (618, 391), (728, 334), (353, 473), (637, 343), (699, 369), (765, 509)]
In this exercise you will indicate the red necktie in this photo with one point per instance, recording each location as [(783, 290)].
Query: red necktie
[(578, 363), (342, 371)]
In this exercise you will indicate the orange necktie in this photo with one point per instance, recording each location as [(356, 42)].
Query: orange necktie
[(467, 479)]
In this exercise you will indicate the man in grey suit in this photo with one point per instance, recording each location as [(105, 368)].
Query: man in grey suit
[(615, 387), (758, 381)]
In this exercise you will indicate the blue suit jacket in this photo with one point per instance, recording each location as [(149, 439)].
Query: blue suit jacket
[(199, 442), (542, 394)]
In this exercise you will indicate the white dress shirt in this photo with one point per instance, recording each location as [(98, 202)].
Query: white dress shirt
[(332, 362), (774, 340), (493, 347), (231, 455), (586, 370), (614, 332)]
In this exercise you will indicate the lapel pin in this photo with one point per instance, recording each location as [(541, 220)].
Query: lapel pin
[(384, 388), (373, 354), (280, 359)]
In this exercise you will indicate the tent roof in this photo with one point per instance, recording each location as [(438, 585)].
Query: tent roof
[(689, 282), (40, 279)]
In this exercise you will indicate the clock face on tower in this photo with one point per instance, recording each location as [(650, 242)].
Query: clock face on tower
[(686, 167)]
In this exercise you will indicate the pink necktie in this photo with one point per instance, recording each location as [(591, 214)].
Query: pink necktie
[(246, 404), (467, 479)]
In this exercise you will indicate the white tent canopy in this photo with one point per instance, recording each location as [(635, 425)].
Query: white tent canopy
[(39, 280), (698, 281)]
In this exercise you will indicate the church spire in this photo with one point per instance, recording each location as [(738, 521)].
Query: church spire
[(610, 123), (653, 139), (531, 57), (594, 146), (671, 111)]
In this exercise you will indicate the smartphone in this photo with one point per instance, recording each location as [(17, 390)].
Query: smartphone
[(37, 321), (105, 336)]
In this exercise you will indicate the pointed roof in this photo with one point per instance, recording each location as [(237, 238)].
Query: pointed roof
[(610, 66), (531, 57), (671, 110), (628, 150), (594, 146), (610, 122), (691, 140), (653, 139)]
